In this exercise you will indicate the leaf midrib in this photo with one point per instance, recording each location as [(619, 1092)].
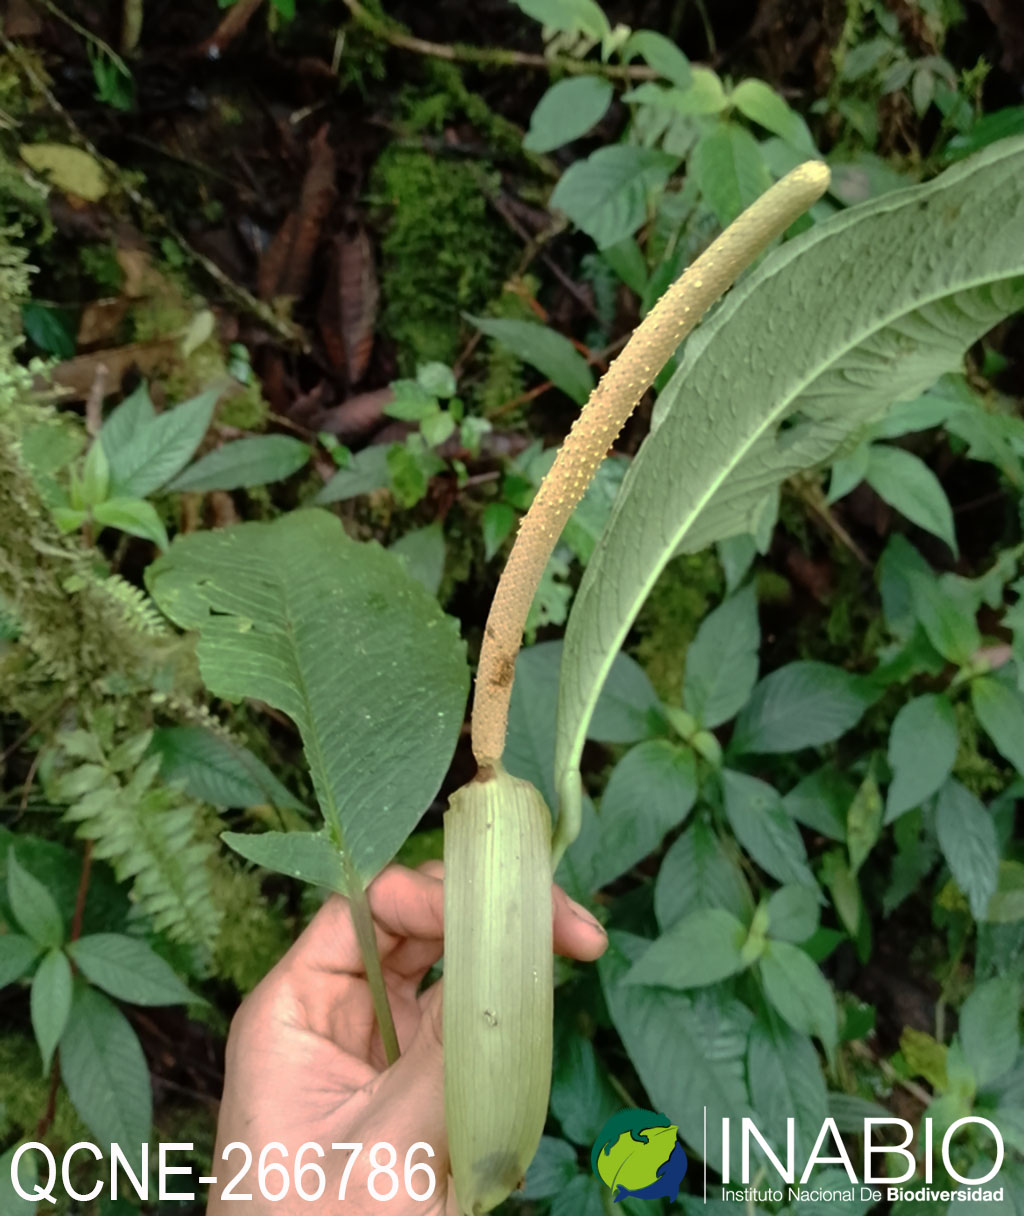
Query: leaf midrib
[(575, 744)]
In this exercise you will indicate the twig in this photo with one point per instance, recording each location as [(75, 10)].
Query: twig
[(495, 56), (31, 729), (890, 1073), (286, 331), (83, 891), (87, 34), (23, 805), (812, 496)]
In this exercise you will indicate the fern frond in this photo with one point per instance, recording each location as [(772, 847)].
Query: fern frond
[(136, 608), (154, 837)]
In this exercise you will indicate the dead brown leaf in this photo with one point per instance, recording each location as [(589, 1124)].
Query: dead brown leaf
[(348, 308), (285, 267), (355, 417), (77, 376), (100, 321)]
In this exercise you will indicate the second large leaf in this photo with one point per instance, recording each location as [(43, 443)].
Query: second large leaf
[(339, 637), (864, 310)]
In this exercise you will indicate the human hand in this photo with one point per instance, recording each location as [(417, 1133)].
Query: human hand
[(305, 1063)]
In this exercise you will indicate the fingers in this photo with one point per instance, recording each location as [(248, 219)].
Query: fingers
[(408, 910), (404, 904), (577, 934)]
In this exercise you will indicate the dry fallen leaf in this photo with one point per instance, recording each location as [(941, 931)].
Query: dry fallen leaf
[(69, 169)]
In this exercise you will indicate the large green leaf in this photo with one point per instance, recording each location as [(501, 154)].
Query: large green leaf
[(868, 308), (338, 636), (106, 1075), (681, 1046), (786, 1082), (651, 790), (922, 750), (566, 111), (606, 194)]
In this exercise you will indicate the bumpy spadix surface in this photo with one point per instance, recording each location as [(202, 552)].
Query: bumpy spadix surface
[(599, 424)]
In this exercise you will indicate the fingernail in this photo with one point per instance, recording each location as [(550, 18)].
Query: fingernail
[(582, 914)]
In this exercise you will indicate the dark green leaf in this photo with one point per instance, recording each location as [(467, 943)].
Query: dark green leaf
[(761, 104), (566, 111), (757, 816), (793, 913), (906, 483), (698, 950), (498, 521), (123, 429), (128, 969), (786, 1082), (627, 701), (50, 1003), (254, 461), (1000, 711), (967, 838), (217, 770), (309, 856), (922, 749), (803, 704), (33, 906), (106, 1074), (820, 802), (949, 623), (681, 1045), (51, 329), (697, 872), (552, 354), (621, 716), (730, 170), (11, 1203), (990, 1028), (661, 54), (721, 663), (582, 1097), (134, 516), (606, 194), (798, 990), (551, 1170), (366, 471), (17, 954), (652, 789), (339, 637), (422, 552), (151, 451)]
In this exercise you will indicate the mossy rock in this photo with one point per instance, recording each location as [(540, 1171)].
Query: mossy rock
[(442, 253)]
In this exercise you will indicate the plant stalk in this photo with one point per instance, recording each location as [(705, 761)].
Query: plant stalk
[(366, 936), (598, 425)]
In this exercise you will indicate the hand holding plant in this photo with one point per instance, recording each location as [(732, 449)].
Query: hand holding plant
[(306, 1062)]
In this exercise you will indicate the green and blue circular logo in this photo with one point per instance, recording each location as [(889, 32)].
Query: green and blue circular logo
[(637, 1155)]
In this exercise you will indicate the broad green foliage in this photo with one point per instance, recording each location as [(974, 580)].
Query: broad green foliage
[(892, 311), (339, 637)]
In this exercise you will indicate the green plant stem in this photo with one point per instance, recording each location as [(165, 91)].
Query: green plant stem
[(366, 936), (494, 56)]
